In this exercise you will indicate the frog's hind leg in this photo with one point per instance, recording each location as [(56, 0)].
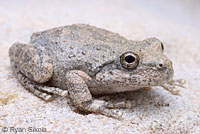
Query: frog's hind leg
[(34, 63), (34, 87), (31, 85), (24, 59)]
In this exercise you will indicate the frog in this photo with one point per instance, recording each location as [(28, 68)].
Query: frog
[(81, 61)]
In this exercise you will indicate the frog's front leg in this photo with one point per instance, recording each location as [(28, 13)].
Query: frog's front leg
[(82, 98), (33, 67)]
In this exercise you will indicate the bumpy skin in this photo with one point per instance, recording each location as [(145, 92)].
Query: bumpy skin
[(82, 60)]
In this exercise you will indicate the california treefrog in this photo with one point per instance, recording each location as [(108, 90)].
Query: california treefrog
[(81, 60)]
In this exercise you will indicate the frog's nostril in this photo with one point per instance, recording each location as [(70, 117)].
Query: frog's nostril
[(160, 65)]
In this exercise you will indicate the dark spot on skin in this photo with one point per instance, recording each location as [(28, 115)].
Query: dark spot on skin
[(144, 80), (72, 55), (111, 72), (98, 48), (96, 60), (61, 50), (84, 53)]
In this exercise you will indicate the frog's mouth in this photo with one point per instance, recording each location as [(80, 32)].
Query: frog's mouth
[(138, 78)]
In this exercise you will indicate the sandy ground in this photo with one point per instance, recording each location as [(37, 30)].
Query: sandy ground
[(176, 23)]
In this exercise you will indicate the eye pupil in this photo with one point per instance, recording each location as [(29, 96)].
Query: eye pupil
[(129, 59)]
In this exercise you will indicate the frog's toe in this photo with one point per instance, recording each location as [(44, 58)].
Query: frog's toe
[(54, 90), (101, 107), (171, 86), (114, 105), (113, 113), (48, 98), (64, 93), (122, 104)]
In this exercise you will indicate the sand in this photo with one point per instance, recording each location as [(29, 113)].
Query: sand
[(157, 111)]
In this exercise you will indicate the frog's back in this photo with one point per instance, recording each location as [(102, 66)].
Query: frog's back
[(85, 34), (79, 46)]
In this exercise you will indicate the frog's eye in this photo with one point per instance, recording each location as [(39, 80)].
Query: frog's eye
[(129, 60)]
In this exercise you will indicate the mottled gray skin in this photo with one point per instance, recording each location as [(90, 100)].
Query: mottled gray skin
[(81, 61)]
